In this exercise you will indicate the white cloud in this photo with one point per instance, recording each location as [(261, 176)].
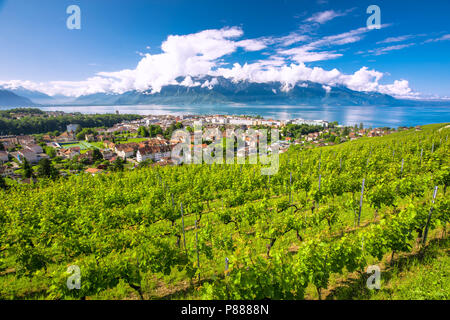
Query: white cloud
[(396, 39), (313, 51), (252, 44), (188, 82), (443, 38), (210, 84), (324, 16), (384, 50), (326, 88), (194, 55), (400, 88), (303, 54), (292, 38)]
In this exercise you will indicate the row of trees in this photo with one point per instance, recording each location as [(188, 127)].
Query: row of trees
[(153, 130), (35, 125), (297, 130)]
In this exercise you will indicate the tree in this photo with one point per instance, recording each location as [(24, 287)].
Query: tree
[(337, 139), (51, 152), (46, 169), (118, 164), (97, 155), (145, 163), (85, 131), (154, 130), (333, 124), (361, 126), (3, 184), (2, 147), (27, 169), (143, 132), (346, 131)]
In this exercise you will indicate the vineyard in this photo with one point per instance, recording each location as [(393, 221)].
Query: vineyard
[(226, 231)]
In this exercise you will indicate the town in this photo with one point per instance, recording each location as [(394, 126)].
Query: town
[(147, 141)]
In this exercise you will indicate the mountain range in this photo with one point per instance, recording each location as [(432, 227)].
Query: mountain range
[(223, 91), (8, 98)]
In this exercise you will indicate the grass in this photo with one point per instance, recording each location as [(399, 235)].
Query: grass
[(137, 140), (83, 145), (419, 275)]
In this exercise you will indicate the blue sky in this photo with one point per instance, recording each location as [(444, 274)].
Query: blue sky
[(120, 44)]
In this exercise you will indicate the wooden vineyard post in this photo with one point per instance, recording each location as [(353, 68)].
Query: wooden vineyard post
[(361, 200), (429, 217), (196, 247), (340, 163), (432, 148), (290, 186), (320, 178), (320, 160), (401, 171), (226, 266), (421, 153), (182, 224)]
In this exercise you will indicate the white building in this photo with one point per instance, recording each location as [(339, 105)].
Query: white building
[(322, 123), (72, 127), (241, 122), (154, 152), (124, 151)]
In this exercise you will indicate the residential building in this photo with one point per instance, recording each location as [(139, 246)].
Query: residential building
[(66, 137), (93, 171), (126, 150), (24, 140), (72, 127), (153, 152), (69, 153), (34, 147), (31, 156), (311, 122), (108, 154), (4, 156), (89, 137)]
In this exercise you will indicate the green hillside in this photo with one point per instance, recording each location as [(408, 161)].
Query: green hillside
[(283, 236)]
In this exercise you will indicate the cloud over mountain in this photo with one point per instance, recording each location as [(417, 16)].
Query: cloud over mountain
[(205, 53)]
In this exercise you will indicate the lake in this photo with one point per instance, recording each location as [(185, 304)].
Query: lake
[(375, 116)]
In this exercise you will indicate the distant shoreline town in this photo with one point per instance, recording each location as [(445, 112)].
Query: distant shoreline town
[(144, 141)]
